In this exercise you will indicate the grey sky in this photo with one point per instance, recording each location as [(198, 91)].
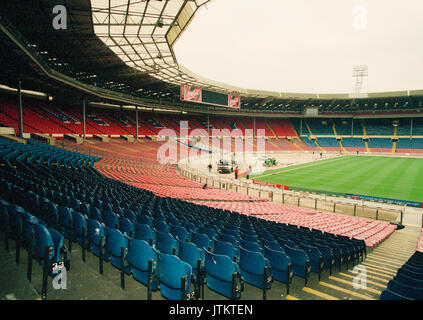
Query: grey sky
[(307, 45)]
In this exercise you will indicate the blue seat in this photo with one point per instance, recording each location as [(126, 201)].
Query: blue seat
[(142, 259), (66, 224), (95, 232), (405, 290), (180, 233), (174, 277), (281, 266), (226, 249), (126, 227), (144, 219), (110, 219), (300, 262), (48, 246), (209, 232), (251, 246), (328, 257), (228, 238), (161, 226), (410, 274), (146, 233), (4, 223), (95, 214), (201, 240), (389, 295), (255, 269), (409, 281), (194, 256), (316, 259), (223, 275), (166, 243), (116, 246), (249, 237), (274, 245), (80, 231)]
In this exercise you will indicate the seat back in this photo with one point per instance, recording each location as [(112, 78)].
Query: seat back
[(201, 240), (139, 255), (226, 249), (146, 233), (254, 267), (251, 246), (170, 270), (190, 253), (43, 240), (405, 290), (95, 230), (166, 243), (222, 275)]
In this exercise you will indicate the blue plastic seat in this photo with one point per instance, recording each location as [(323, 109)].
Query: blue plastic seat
[(300, 262), (223, 275), (409, 281), (405, 290), (194, 256), (228, 238), (166, 243), (328, 257), (95, 214), (281, 266), (110, 219), (272, 244), (201, 240), (226, 249), (180, 233), (251, 246), (126, 227), (95, 231), (209, 232), (142, 259), (116, 247), (146, 233), (255, 269), (389, 295), (316, 259), (144, 219), (161, 226), (174, 277)]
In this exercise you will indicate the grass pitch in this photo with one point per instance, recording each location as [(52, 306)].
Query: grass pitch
[(388, 177)]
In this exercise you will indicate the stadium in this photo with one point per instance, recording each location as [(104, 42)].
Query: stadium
[(126, 176)]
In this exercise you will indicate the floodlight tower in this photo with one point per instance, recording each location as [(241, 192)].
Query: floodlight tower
[(359, 72)]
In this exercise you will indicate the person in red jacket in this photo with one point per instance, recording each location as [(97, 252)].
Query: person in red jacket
[(236, 173)]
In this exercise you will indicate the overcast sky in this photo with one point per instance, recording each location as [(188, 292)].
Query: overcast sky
[(307, 46)]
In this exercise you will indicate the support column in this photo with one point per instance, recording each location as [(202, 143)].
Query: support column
[(83, 119), (136, 122), (20, 109)]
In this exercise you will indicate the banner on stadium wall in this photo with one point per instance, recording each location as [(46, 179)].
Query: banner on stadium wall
[(234, 101), (268, 184), (415, 204), (191, 94)]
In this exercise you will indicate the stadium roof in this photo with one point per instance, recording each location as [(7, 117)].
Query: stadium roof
[(121, 46)]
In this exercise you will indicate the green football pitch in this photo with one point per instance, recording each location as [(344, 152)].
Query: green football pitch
[(387, 177)]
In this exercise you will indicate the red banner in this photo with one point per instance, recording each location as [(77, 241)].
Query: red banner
[(191, 94), (234, 101)]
